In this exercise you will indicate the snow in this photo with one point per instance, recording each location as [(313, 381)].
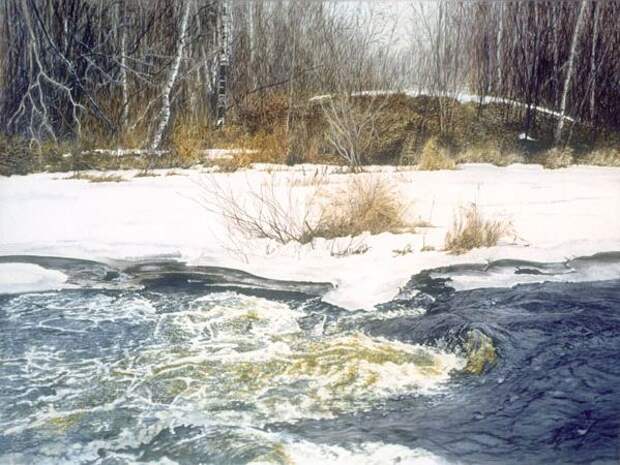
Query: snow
[(212, 154), (557, 215), (461, 96), (23, 277)]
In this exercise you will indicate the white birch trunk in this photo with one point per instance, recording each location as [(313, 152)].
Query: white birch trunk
[(498, 46), (224, 61), (124, 84), (291, 85), (172, 77), (569, 73)]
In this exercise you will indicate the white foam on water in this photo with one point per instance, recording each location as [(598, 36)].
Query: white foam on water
[(89, 311), (229, 316), (16, 278), (369, 453), (227, 360), (229, 349)]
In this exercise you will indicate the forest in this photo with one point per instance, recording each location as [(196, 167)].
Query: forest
[(293, 81)]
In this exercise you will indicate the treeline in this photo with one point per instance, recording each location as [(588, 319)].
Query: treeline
[(126, 68), (124, 71), (563, 55)]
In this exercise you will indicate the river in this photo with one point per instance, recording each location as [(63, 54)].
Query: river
[(161, 363)]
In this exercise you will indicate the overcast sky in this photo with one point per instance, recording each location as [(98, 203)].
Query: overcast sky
[(398, 16)]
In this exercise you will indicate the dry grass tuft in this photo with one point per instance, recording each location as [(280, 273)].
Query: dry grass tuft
[(471, 230), (602, 157), (186, 140), (490, 153), (262, 147), (348, 247), (434, 157), (268, 146), (363, 205), (15, 156), (556, 158), (96, 178), (236, 162), (406, 250)]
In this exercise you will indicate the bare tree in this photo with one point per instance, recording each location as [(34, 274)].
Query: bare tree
[(595, 25), (362, 88), (172, 77), (570, 71), (443, 68), (551, 55)]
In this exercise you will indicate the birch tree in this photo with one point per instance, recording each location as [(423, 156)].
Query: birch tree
[(595, 21), (224, 61), (164, 117), (570, 71)]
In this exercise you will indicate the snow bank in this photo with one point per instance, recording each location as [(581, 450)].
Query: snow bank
[(557, 215), (22, 277), (460, 96)]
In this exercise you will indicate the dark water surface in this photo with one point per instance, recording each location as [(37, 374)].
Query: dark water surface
[(165, 364)]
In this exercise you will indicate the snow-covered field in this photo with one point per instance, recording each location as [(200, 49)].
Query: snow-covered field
[(557, 215)]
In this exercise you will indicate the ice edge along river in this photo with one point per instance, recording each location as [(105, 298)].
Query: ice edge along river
[(556, 215)]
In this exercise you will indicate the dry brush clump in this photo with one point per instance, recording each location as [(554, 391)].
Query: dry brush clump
[(96, 177), (602, 157), (490, 152), (186, 141), (471, 230), (435, 157), (15, 156), (363, 205), (284, 212), (556, 158)]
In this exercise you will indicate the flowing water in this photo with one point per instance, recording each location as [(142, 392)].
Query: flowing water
[(165, 364)]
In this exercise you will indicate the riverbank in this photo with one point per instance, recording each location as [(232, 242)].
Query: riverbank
[(555, 215)]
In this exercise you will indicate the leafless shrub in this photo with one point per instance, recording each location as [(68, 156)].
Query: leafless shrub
[(472, 230), (269, 211), (284, 213), (352, 125)]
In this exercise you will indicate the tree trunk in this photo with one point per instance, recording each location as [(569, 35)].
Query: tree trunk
[(291, 80), (251, 43), (224, 62), (593, 63), (124, 85), (498, 45), (569, 72), (172, 77)]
